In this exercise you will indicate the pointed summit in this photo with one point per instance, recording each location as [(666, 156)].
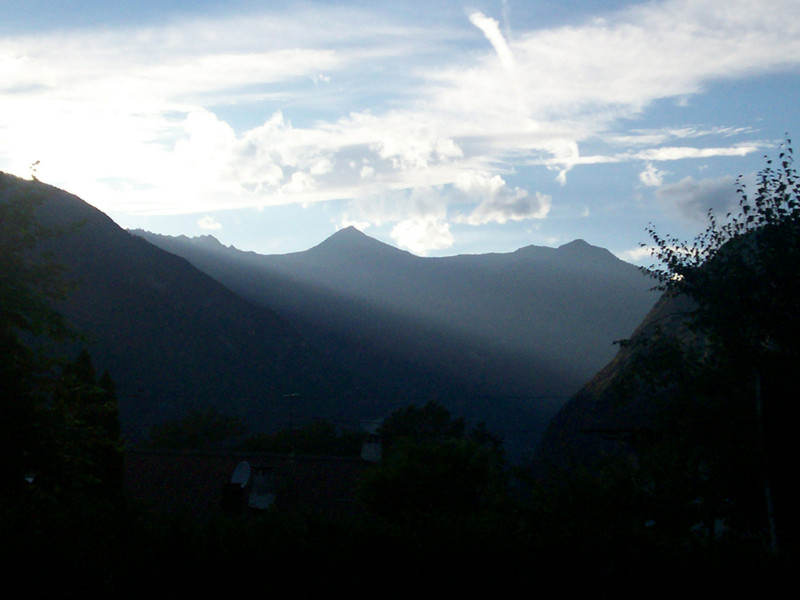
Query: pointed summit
[(349, 233), (578, 244), (350, 242), (582, 250)]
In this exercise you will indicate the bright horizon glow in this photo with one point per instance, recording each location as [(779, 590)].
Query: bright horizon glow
[(438, 128)]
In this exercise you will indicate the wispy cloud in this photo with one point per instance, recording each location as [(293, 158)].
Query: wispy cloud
[(491, 29), (406, 111)]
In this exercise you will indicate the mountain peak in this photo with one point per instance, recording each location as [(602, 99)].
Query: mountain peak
[(349, 233), (349, 242), (575, 244), (581, 248)]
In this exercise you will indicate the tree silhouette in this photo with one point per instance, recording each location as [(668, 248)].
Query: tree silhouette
[(742, 277), (433, 467), (30, 281), (198, 428), (85, 427), (62, 428)]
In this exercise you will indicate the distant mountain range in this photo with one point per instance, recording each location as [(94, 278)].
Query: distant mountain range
[(348, 330), (518, 332)]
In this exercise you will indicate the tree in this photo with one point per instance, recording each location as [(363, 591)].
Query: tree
[(743, 280), (431, 422), (61, 427), (85, 431), (742, 273), (316, 437), (433, 468), (197, 429), (30, 281)]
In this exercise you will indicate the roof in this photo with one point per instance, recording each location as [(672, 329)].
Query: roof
[(193, 483)]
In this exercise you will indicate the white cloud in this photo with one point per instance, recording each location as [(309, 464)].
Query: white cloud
[(650, 137), (637, 255), (381, 204), (420, 235), (299, 183), (491, 29), (497, 202), (651, 176), (683, 152), (209, 222), (563, 163), (143, 105)]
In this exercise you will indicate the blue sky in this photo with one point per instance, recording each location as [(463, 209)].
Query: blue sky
[(438, 127)]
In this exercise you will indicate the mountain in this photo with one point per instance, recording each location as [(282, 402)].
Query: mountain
[(601, 418), (349, 330), (520, 331), (171, 336)]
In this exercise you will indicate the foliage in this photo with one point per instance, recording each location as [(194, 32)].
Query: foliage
[(433, 467), (431, 422), (317, 437), (84, 430), (699, 462), (197, 429), (61, 428), (742, 273), (30, 282), (31, 279), (743, 279)]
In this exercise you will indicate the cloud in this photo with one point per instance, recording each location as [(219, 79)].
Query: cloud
[(638, 255), (651, 176), (650, 137), (684, 152), (420, 235), (693, 199), (410, 146), (563, 162), (402, 103), (497, 202), (208, 222), (491, 29)]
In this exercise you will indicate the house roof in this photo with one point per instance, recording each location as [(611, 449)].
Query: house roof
[(193, 483)]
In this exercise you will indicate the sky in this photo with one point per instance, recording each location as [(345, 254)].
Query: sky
[(439, 127)]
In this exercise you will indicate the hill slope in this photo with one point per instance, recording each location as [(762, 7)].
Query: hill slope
[(171, 336)]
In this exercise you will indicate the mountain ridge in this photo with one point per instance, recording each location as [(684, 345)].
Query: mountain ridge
[(172, 337), (500, 322), (357, 327)]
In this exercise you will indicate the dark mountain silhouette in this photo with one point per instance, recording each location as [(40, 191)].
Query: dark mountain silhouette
[(601, 419), (171, 336), (520, 331)]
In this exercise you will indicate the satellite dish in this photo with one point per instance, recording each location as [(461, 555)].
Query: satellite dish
[(241, 474), (371, 449)]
